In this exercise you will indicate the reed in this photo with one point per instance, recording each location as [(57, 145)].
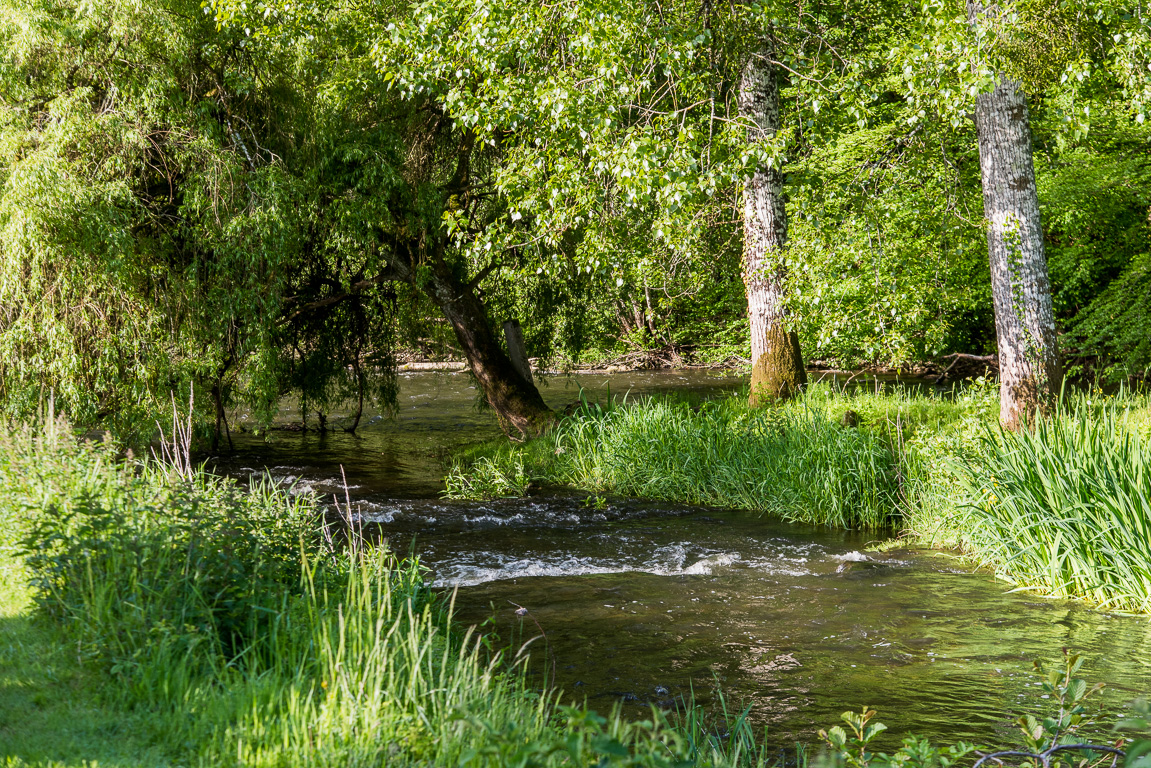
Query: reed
[(1064, 507), (798, 463)]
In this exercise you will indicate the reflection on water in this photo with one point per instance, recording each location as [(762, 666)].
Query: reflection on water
[(644, 602)]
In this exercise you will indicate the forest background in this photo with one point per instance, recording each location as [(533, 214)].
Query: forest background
[(257, 199)]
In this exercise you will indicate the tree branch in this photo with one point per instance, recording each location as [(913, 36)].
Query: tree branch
[(388, 274)]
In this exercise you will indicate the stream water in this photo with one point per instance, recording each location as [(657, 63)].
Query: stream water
[(645, 602)]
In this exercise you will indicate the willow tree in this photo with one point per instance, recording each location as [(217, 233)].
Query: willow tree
[(139, 257)]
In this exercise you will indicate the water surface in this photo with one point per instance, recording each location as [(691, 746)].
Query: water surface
[(645, 603)]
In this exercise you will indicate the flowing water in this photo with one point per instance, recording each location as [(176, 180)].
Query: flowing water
[(645, 603)]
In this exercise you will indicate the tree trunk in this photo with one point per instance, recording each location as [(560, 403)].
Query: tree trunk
[(517, 349), (777, 365), (521, 410), (359, 372), (221, 418), (1030, 372)]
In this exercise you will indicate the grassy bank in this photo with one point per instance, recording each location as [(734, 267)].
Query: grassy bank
[(826, 458), (1063, 508)]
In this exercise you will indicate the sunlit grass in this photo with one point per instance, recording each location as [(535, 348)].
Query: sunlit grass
[(1065, 506), (800, 462)]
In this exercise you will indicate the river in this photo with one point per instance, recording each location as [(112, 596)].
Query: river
[(645, 602)]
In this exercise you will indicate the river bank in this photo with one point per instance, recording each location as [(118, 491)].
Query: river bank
[(945, 370), (635, 604), (932, 468), (230, 618)]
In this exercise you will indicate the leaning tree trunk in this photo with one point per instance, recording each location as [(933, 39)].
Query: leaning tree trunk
[(777, 366), (1030, 373), (520, 408)]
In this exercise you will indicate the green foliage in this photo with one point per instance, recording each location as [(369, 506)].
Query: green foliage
[(141, 245), (1095, 200), (888, 265), (1116, 327), (1068, 725), (1139, 723), (1070, 692), (171, 563), (848, 748), (192, 212), (227, 202), (486, 478)]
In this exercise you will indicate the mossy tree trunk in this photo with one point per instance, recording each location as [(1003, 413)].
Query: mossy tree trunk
[(1030, 372), (777, 365)]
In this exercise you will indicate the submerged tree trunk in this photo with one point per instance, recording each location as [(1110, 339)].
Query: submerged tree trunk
[(221, 417), (1030, 372), (520, 408), (358, 370), (777, 365)]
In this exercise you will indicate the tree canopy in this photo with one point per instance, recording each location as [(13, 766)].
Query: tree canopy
[(262, 198)]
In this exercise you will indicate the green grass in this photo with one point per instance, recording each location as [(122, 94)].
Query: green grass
[(1064, 508), (797, 462), (51, 707)]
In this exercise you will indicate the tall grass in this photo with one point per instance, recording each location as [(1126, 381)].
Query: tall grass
[(214, 609), (1064, 507), (798, 462), (799, 465)]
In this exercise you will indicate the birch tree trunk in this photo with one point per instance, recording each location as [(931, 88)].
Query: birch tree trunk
[(777, 366), (1030, 372)]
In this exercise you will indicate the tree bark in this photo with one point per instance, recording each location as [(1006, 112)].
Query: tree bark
[(517, 349), (1030, 372), (519, 407), (777, 365)]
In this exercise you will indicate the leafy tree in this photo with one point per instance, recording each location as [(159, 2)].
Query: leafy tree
[(140, 223), (533, 132)]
